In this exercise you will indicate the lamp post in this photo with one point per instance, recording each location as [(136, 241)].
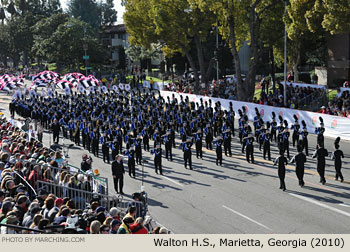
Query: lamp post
[(285, 58), (217, 49), (85, 50)]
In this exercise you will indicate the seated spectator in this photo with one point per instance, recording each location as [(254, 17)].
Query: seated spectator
[(137, 227), (125, 226)]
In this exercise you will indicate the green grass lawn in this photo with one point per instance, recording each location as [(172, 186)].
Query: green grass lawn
[(148, 78), (332, 94)]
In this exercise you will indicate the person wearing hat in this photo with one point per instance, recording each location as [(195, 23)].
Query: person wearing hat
[(145, 138), (21, 207), (186, 148), (274, 127), (295, 127), (131, 161), (55, 127), (115, 224), (266, 138), (319, 131), (282, 162), (11, 219), (53, 211), (337, 155), (105, 147), (124, 228), (198, 138), (218, 149), (299, 160), (208, 131), (250, 148), (118, 174), (158, 159), (304, 141), (227, 142), (321, 153), (138, 149), (95, 142), (168, 146)]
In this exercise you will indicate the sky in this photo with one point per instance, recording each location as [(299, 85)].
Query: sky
[(117, 3)]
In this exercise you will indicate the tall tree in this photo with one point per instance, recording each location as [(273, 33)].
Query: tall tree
[(173, 23), (241, 21), (96, 14)]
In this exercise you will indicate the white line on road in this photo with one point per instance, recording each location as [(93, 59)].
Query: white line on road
[(246, 217), (345, 204), (173, 181), (320, 204)]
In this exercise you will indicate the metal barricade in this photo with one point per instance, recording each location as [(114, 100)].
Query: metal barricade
[(82, 198), (101, 183)]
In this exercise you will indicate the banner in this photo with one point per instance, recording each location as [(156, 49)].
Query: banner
[(343, 89), (304, 85), (335, 125)]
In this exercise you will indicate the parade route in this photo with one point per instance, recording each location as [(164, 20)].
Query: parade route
[(238, 197)]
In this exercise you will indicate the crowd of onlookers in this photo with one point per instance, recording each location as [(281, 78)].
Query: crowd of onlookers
[(339, 106), (27, 208), (222, 88)]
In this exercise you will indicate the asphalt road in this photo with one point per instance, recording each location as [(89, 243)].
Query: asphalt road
[(239, 197)]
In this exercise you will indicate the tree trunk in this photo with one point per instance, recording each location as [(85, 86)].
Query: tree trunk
[(250, 79), (239, 86), (273, 77), (149, 66), (193, 66), (200, 56), (296, 61)]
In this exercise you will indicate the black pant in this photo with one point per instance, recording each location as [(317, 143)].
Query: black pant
[(267, 150), (281, 175), (338, 173), (146, 146), (121, 184), (295, 139), (285, 145), (199, 152), (300, 176), (168, 154), (56, 136), (209, 145), (188, 159), (138, 158), (306, 147), (218, 158), (227, 148), (158, 165), (77, 139), (250, 153), (320, 170), (131, 167), (105, 156), (243, 146)]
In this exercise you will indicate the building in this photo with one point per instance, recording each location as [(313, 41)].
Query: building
[(115, 39), (338, 68)]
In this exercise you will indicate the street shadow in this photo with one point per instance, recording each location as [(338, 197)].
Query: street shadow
[(322, 199)]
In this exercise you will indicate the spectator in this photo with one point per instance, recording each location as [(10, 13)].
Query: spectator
[(86, 163), (115, 224), (37, 218), (124, 227), (11, 219), (131, 212), (137, 227), (21, 208), (95, 227)]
